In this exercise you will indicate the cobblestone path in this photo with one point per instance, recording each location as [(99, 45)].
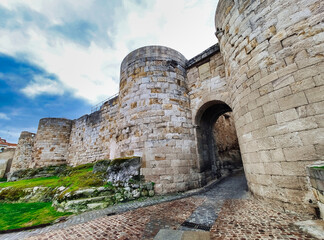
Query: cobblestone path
[(223, 208)]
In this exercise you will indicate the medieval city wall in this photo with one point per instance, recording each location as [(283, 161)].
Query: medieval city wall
[(206, 80), (51, 142), (267, 70), (92, 136), (274, 63), (207, 86), (22, 158)]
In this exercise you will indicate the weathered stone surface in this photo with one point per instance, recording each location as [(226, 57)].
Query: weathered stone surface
[(3, 167), (123, 169), (6, 158), (278, 41), (23, 154), (52, 142), (101, 166), (100, 197), (28, 173), (36, 194)]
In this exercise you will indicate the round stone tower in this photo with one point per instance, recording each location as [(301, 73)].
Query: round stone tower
[(23, 155), (273, 54), (155, 116), (52, 142)]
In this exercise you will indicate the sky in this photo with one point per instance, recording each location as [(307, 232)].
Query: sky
[(58, 58)]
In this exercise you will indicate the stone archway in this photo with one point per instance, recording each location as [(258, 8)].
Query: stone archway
[(217, 144)]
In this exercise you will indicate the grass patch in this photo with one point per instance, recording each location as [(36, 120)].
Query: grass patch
[(18, 215), (29, 183), (318, 167), (74, 178), (82, 177)]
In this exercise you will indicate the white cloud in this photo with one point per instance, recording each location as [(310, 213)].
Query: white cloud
[(91, 71), (12, 134), (41, 86), (4, 116)]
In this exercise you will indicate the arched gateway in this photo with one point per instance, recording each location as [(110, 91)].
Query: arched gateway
[(217, 144)]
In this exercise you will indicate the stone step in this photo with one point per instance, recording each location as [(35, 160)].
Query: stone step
[(84, 204)]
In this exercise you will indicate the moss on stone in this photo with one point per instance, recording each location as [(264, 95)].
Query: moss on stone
[(12, 194)]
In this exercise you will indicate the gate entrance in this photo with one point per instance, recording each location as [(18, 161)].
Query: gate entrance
[(218, 149)]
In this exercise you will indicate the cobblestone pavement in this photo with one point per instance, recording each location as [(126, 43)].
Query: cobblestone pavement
[(224, 207), (247, 219), (205, 215)]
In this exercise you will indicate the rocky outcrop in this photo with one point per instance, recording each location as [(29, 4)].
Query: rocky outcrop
[(95, 198), (29, 173)]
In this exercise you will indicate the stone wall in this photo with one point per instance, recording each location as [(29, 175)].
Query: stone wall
[(51, 142), (273, 54), (23, 154), (227, 142), (92, 136), (206, 80), (208, 94)]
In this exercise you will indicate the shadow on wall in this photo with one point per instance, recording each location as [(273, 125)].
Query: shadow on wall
[(227, 146)]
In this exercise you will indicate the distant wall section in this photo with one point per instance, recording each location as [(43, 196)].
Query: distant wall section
[(6, 158), (24, 152), (93, 136), (51, 142)]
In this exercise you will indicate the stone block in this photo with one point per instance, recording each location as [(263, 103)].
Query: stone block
[(270, 108), (277, 155), (269, 78), (266, 143), (283, 81), (273, 168), (313, 136), (300, 153), (290, 182), (306, 73), (302, 124), (315, 94), (291, 101), (319, 80), (288, 140), (287, 70), (302, 85), (295, 168), (287, 115)]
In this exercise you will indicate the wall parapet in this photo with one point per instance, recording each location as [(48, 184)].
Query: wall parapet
[(203, 57)]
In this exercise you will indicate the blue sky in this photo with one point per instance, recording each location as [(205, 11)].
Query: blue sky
[(59, 58)]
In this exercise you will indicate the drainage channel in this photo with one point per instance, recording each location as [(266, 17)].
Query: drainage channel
[(196, 226)]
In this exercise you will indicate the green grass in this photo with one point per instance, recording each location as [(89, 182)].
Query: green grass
[(18, 215), (75, 178), (28, 183), (318, 167)]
